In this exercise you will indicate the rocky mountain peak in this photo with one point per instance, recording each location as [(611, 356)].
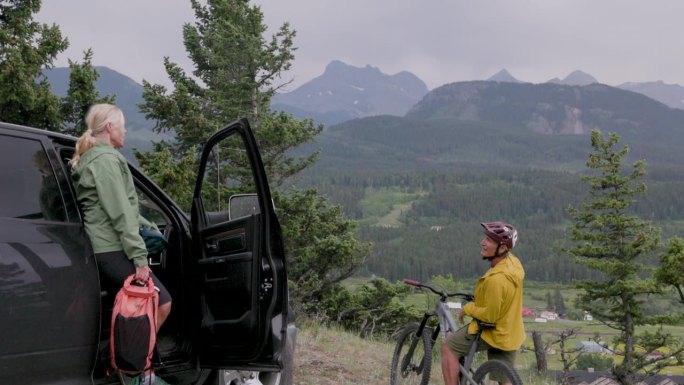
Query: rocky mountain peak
[(575, 78), (503, 76), (346, 92)]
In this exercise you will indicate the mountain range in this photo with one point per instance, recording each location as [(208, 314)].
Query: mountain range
[(521, 124), (366, 103), (671, 95), (345, 92)]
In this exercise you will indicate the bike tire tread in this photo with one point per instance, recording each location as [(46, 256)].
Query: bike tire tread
[(497, 365), (402, 347)]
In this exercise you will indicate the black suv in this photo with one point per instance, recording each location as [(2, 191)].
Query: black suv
[(225, 269)]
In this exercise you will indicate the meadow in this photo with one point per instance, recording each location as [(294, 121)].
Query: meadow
[(330, 355)]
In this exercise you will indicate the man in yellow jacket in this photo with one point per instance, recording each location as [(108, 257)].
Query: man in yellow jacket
[(498, 300)]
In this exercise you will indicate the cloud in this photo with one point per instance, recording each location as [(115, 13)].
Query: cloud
[(440, 41)]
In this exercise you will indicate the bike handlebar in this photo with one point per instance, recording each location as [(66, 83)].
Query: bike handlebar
[(443, 294)]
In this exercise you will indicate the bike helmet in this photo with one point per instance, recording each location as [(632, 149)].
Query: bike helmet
[(502, 233)]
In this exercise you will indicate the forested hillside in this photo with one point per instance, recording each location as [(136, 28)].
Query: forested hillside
[(424, 223), (434, 135), (420, 185)]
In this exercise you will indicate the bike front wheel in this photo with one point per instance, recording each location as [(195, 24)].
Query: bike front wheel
[(494, 371), (412, 359)]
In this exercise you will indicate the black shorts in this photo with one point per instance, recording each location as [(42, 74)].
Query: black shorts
[(116, 267)]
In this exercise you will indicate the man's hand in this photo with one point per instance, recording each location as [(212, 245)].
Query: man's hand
[(459, 313)]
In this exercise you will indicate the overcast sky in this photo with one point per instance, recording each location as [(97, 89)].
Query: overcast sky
[(440, 41)]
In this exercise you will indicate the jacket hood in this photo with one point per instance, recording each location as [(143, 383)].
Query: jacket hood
[(511, 268), (87, 157)]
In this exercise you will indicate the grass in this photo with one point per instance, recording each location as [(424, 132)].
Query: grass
[(385, 206), (332, 356), (327, 356)]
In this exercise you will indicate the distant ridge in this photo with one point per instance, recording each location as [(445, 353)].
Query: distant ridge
[(503, 76), (575, 78), (551, 108), (346, 92), (127, 91), (671, 95), (522, 124)]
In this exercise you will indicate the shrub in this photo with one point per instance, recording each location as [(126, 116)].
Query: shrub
[(594, 360)]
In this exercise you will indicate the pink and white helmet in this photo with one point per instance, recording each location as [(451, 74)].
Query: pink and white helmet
[(502, 233)]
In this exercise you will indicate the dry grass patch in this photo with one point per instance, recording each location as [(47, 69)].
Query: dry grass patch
[(331, 356), (327, 356)]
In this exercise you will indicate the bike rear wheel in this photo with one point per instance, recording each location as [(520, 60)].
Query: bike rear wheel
[(494, 371), (412, 359)]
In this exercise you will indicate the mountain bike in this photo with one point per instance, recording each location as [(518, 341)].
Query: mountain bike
[(412, 359)]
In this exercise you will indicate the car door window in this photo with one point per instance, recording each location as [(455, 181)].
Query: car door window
[(149, 209), (29, 182), (228, 174), (72, 210)]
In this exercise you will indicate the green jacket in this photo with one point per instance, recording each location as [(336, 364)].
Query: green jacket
[(104, 188), (498, 300)]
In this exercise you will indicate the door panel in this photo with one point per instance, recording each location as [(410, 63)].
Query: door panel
[(236, 260), (228, 267)]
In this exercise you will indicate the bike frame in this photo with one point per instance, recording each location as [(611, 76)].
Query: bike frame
[(447, 324), (405, 365)]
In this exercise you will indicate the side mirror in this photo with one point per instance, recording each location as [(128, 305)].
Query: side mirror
[(242, 205)]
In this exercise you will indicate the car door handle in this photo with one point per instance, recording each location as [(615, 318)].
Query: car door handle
[(239, 257), (213, 246)]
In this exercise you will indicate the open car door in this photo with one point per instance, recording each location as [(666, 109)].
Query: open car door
[(238, 257)]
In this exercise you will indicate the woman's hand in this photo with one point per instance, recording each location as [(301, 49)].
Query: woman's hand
[(142, 273)]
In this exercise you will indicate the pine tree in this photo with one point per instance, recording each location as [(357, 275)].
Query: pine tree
[(235, 75), (671, 270), (559, 302), (607, 238), (236, 72), (80, 95), (549, 302), (26, 49)]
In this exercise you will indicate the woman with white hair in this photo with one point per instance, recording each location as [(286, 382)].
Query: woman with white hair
[(104, 188)]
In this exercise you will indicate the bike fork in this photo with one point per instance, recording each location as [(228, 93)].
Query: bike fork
[(426, 316)]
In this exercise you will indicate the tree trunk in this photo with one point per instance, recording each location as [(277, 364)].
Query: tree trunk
[(539, 352)]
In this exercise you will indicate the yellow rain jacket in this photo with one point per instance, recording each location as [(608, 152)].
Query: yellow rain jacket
[(498, 300)]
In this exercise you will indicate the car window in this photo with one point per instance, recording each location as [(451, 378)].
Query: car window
[(228, 174), (65, 155), (30, 189), (149, 209), (147, 206)]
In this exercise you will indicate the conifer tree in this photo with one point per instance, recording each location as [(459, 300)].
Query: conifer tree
[(671, 270), (606, 237), (26, 49), (80, 95), (559, 302), (236, 72)]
